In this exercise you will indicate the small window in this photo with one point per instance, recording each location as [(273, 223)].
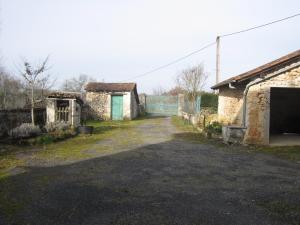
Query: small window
[(62, 110)]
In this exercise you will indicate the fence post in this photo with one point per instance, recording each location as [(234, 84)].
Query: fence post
[(180, 104)]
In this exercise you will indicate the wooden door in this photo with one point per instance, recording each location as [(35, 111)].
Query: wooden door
[(117, 107)]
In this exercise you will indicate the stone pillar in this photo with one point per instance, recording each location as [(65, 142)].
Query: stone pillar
[(180, 104), (50, 111), (142, 106)]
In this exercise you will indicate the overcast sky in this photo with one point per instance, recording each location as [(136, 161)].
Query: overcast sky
[(118, 39)]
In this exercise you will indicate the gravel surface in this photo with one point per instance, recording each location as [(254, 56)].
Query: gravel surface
[(157, 180)]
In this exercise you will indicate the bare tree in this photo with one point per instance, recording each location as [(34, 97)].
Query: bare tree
[(76, 84), (34, 77), (175, 91), (192, 80), (158, 91), (11, 91)]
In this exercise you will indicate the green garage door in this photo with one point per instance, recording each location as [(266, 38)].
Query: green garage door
[(117, 107)]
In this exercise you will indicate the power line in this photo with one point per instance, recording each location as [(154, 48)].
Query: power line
[(172, 62), (209, 45), (260, 26)]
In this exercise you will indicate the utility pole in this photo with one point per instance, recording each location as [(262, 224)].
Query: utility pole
[(218, 60)]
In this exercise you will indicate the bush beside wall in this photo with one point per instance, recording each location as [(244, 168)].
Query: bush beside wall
[(10, 119)]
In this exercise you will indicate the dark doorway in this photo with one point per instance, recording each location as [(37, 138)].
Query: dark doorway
[(285, 112)]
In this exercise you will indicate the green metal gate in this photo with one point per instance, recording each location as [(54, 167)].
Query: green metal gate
[(161, 105), (117, 107)]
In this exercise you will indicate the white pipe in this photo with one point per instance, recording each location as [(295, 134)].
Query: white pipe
[(259, 80)]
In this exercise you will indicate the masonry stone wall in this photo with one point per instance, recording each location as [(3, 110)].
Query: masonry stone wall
[(134, 106), (258, 105), (230, 106), (230, 109), (98, 105)]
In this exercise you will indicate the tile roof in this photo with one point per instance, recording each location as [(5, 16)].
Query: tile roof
[(264, 68), (109, 87)]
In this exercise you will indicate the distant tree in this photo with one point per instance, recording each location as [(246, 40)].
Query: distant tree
[(192, 80), (11, 91), (175, 91), (34, 78), (159, 91), (76, 84)]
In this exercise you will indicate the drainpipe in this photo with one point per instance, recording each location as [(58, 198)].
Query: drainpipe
[(259, 80)]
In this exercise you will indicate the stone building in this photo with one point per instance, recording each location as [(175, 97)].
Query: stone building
[(64, 106), (112, 101), (262, 105)]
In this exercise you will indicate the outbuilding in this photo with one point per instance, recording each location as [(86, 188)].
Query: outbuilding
[(112, 101), (262, 105), (64, 107)]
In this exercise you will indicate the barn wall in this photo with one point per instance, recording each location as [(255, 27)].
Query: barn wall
[(98, 105), (230, 106), (258, 106), (134, 106)]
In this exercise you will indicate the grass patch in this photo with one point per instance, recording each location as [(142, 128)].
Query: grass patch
[(183, 125), (75, 148), (190, 133), (288, 152), (72, 148)]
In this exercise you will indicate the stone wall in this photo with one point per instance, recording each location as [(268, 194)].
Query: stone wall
[(230, 106), (98, 105), (10, 119), (258, 106), (134, 106), (230, 109)]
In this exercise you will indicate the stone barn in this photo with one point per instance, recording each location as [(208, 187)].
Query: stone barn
[(262, 106), (112, 101), (64, 107)]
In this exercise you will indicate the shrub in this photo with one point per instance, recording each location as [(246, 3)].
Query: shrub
[(57, 126), (214, 128), (209, 100), (25, 130), (54, 136)]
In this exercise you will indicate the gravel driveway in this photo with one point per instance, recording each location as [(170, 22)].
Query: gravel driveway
[(159, 180)]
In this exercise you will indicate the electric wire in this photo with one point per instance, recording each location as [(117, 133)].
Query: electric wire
[(207, 46)]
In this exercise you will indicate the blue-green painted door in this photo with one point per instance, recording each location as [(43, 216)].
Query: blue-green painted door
[(117, 107)]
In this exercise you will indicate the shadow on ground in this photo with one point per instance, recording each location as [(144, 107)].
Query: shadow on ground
[(173, 182)]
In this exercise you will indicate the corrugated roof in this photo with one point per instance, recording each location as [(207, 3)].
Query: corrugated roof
[(109, 87), (264, 68)]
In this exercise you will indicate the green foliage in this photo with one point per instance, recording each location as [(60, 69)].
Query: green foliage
[(209, 100), (214, 128), (56, 135)]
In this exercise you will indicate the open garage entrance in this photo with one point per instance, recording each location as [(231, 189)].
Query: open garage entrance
[(285, 116)]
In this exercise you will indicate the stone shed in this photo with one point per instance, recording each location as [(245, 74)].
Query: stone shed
[(262, 105), (64, 106), (112, 101)]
